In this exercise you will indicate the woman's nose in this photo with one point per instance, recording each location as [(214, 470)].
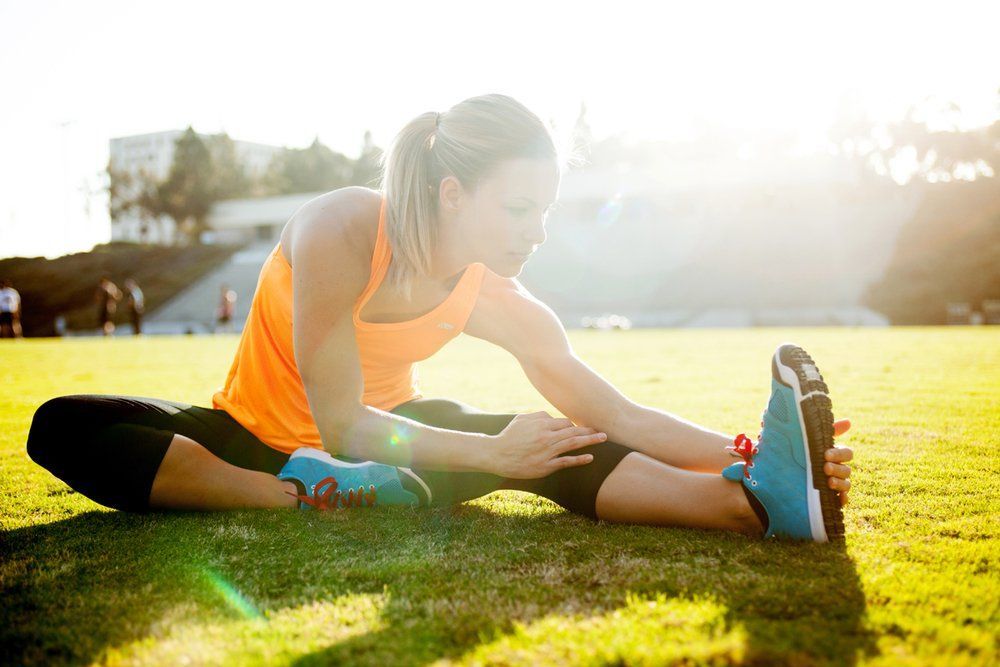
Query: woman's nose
[(536, 235)]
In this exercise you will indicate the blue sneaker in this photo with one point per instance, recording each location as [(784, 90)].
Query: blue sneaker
[(325, 482), (784, 468)]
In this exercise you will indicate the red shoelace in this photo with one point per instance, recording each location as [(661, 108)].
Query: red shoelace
[(746, 448), (326, 496)]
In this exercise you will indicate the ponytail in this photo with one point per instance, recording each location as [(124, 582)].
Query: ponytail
[(468, 142)]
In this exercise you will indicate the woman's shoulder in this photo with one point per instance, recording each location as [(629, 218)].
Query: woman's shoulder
[(346, 218)]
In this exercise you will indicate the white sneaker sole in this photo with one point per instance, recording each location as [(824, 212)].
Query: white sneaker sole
[(790, 377)]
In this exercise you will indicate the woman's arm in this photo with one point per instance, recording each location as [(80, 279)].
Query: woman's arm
[(509, 316), (330, 260), (584, 396)]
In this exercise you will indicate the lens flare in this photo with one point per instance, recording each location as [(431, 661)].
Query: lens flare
[(401, 436), (610, 211), (233, 597)]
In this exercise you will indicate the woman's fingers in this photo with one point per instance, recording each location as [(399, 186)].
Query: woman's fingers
[(838, 483), (843, 498), (837, 470), (561, 462), (571, 431), (839, 454), (578, 441), (561, 423), (840, 427)]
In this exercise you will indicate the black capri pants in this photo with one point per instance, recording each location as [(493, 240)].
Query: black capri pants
[(109, 448)]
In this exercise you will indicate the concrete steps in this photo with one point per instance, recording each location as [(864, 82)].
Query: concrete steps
[(193, 310)]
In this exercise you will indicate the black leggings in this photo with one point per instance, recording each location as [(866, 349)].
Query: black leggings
[(110, 447)]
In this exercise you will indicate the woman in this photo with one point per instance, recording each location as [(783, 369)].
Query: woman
[(364, 283)]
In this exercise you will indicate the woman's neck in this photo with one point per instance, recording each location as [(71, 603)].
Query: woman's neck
[(446, 267)]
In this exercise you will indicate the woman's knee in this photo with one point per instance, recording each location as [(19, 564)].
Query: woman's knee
[(576, 488), (51, 428), (91, 444)]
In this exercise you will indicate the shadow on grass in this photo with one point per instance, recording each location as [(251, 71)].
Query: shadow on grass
[(451, 580)]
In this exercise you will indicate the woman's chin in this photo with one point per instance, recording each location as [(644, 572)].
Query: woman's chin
[(508, 267)]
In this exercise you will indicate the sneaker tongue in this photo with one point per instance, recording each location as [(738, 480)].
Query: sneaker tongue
[(734, 472)]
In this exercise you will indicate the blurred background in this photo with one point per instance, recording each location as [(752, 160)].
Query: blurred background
[(778, 163)]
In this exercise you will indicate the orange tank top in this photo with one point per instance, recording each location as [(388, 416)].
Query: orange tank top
[(263, 390)]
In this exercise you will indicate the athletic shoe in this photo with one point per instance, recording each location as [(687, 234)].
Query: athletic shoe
[(784, 468), (326, 483)]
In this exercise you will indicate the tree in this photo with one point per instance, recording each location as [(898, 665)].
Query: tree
[(206, 170), (120, 185), (367, 168), (309, 169), (928, 143), (950, 250), (190, 189), (582, 139), (134, 194), (146, 203), (229, 175)]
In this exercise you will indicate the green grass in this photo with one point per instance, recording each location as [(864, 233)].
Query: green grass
[(511, 578)]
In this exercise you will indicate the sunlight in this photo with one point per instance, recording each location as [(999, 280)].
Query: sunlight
[(656, 629), (317, 625)]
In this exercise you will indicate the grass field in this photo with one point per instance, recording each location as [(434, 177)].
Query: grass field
[(511, 578)]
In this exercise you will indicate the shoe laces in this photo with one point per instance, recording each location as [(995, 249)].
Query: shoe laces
[(326, 496), (746, 448)]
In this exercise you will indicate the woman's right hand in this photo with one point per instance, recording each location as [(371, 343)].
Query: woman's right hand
[(531, 446)]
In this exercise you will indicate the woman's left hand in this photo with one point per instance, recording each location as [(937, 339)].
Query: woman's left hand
[(837, 472)]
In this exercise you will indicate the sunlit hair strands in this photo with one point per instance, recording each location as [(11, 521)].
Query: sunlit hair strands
[(468, 142)]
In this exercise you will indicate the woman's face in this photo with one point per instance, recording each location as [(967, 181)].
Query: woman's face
[(503, 222)]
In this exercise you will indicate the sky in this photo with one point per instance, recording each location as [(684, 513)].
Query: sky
[(75, 74)]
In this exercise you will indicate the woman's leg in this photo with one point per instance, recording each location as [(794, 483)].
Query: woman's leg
[(193, 478), (620, 485), (139, 453), (643, 490)]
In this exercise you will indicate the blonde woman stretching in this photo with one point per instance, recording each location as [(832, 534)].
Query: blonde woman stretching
[(320, 409)]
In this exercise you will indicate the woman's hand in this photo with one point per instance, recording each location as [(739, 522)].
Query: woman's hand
[(838, 474), (531, 444)]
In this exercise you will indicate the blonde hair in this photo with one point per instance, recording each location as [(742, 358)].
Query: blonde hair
[(468, 142)]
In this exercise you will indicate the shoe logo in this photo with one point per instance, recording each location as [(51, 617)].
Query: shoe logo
[(331, 497), (445, 325)]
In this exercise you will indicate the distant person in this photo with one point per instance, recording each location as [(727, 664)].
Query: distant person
[(136, 304), (227, 306), (10, 311), (107, 297)]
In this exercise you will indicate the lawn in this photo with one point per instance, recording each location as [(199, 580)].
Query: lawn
[(512, 578)]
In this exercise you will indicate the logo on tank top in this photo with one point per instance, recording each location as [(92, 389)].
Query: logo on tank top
[(445, 325)]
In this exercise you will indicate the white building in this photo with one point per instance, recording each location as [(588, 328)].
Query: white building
[(153, 153), (253, 220)]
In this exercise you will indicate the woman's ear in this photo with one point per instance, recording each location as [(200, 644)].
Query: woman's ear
[(450, 194)]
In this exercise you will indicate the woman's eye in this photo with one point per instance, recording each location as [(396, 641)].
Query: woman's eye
[(516, 210)]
